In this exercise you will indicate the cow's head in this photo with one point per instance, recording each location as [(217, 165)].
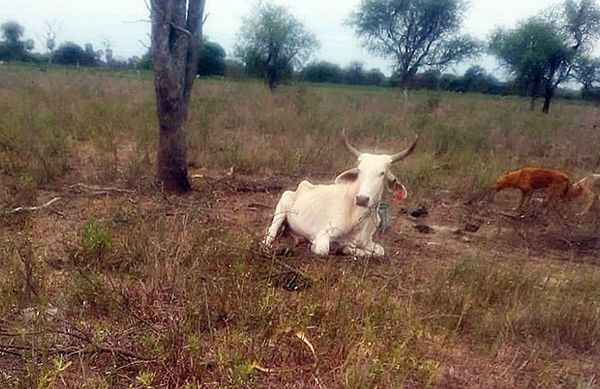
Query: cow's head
[(373, 174)]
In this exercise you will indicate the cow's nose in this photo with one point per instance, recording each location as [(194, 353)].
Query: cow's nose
[(362, 201)]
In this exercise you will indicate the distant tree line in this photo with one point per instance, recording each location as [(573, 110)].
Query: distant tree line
[(14, 48), (353, 74), (420, 38)]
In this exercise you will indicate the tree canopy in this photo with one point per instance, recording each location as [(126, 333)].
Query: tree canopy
[(322, 71), (414, 34), (70, 53), (211, 59), (12, 32), (12, 47), (272, 42), (587, 72)]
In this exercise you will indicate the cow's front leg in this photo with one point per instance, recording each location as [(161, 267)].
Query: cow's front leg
[(320, 245)]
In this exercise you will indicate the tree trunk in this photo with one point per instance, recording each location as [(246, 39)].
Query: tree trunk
[(533, 94), (548, 97), (176, 36), (404, 84), (271, 76), (172, 150)]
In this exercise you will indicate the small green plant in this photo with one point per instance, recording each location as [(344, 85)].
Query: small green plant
[(193, 342), (242, 372), (47, 377), (145, 379), (96, 383), (152, 344), (94, 238)]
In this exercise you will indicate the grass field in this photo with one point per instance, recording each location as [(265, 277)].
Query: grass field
[(117, 285)]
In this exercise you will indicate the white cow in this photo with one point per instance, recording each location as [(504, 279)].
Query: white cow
[(345, 212)]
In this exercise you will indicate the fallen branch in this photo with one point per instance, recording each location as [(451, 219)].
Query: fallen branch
[(28, 209), (101, 188), (91, 349), (509, 215), (10, 351)]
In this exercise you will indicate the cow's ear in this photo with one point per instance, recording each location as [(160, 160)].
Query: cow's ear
[(394, 185), (347, 177)]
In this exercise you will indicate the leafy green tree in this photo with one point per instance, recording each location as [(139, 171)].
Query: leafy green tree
[(91, 53), (414, 34), (12, 48), (322, 71), (375, 77), (429, 79), (272, 42), (533, 52), (476, 79), (146, 61), (70, 53), (133, 62), (543, 51), (587, 72), (12, 32), (29, 44), (354, 73), (234, 69), (211, 59)]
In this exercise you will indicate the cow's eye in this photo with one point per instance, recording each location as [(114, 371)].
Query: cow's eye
[(382, 173)]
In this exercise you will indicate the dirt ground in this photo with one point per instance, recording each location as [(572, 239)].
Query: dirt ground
[(453, 228)]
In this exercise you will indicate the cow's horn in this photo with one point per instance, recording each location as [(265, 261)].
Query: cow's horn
[(350, 148), (404, 153)]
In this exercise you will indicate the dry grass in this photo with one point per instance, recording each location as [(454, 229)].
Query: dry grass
[(119, 289)]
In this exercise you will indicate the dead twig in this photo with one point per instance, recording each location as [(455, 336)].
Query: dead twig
[(36, 208), (93, 347), (274, 370)]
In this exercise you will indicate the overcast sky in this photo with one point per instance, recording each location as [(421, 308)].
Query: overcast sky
[(121, 23)]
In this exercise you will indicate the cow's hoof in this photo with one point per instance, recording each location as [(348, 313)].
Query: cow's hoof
[(265, 248), (379, 251)]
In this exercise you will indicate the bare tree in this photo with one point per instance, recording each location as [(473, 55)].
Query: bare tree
[(48, 40), (108, 51), (176, 36)]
